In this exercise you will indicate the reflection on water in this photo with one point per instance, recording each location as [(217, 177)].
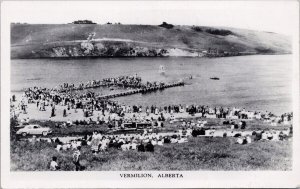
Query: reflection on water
[(254, 82)]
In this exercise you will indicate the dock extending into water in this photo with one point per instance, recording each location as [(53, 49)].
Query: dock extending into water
[(131, 92)]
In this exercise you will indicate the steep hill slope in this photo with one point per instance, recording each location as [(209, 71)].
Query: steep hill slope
[(72, 40)]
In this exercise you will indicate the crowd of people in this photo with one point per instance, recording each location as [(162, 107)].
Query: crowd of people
[(98, 143), (145, 142), (112, 112), (134, 82), (122, 81), (116, 113), (140, 142)]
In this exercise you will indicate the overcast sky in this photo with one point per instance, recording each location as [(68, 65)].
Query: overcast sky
[(275, 16)]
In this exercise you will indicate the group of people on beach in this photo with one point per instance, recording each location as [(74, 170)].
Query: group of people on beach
[(115, 115), (112, 111)]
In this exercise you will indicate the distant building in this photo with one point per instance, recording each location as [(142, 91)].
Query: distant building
[(213, 51), (83, 22)]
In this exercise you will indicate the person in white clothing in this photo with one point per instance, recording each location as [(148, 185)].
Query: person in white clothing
[(53, 164)]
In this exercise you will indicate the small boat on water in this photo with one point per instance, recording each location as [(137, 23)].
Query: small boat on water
[(215, 78), (162, 69)]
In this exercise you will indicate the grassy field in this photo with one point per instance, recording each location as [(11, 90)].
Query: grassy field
[(198, 154), (26, 38)]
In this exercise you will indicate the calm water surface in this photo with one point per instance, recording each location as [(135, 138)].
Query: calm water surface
[(261, 82)]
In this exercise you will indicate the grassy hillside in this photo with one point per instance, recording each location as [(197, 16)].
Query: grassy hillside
[(38, 41), (198, 154)]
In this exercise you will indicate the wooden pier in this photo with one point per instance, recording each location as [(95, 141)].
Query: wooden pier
[(131, 92)]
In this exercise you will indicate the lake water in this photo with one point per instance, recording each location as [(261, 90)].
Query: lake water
[(262, 82)]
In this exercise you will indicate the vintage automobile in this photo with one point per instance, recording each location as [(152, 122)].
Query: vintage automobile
[(34, 130)]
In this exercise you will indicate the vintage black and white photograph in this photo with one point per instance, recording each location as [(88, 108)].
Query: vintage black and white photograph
[(153, 86)]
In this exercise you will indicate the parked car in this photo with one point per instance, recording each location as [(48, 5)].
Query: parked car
[(34, 130)]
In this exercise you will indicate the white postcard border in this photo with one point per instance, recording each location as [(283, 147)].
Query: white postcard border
[(112, 178)]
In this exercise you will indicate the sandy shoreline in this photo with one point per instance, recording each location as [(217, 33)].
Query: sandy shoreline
[(72, 115)]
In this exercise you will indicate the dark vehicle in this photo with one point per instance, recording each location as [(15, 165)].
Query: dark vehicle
[(131, 127)]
